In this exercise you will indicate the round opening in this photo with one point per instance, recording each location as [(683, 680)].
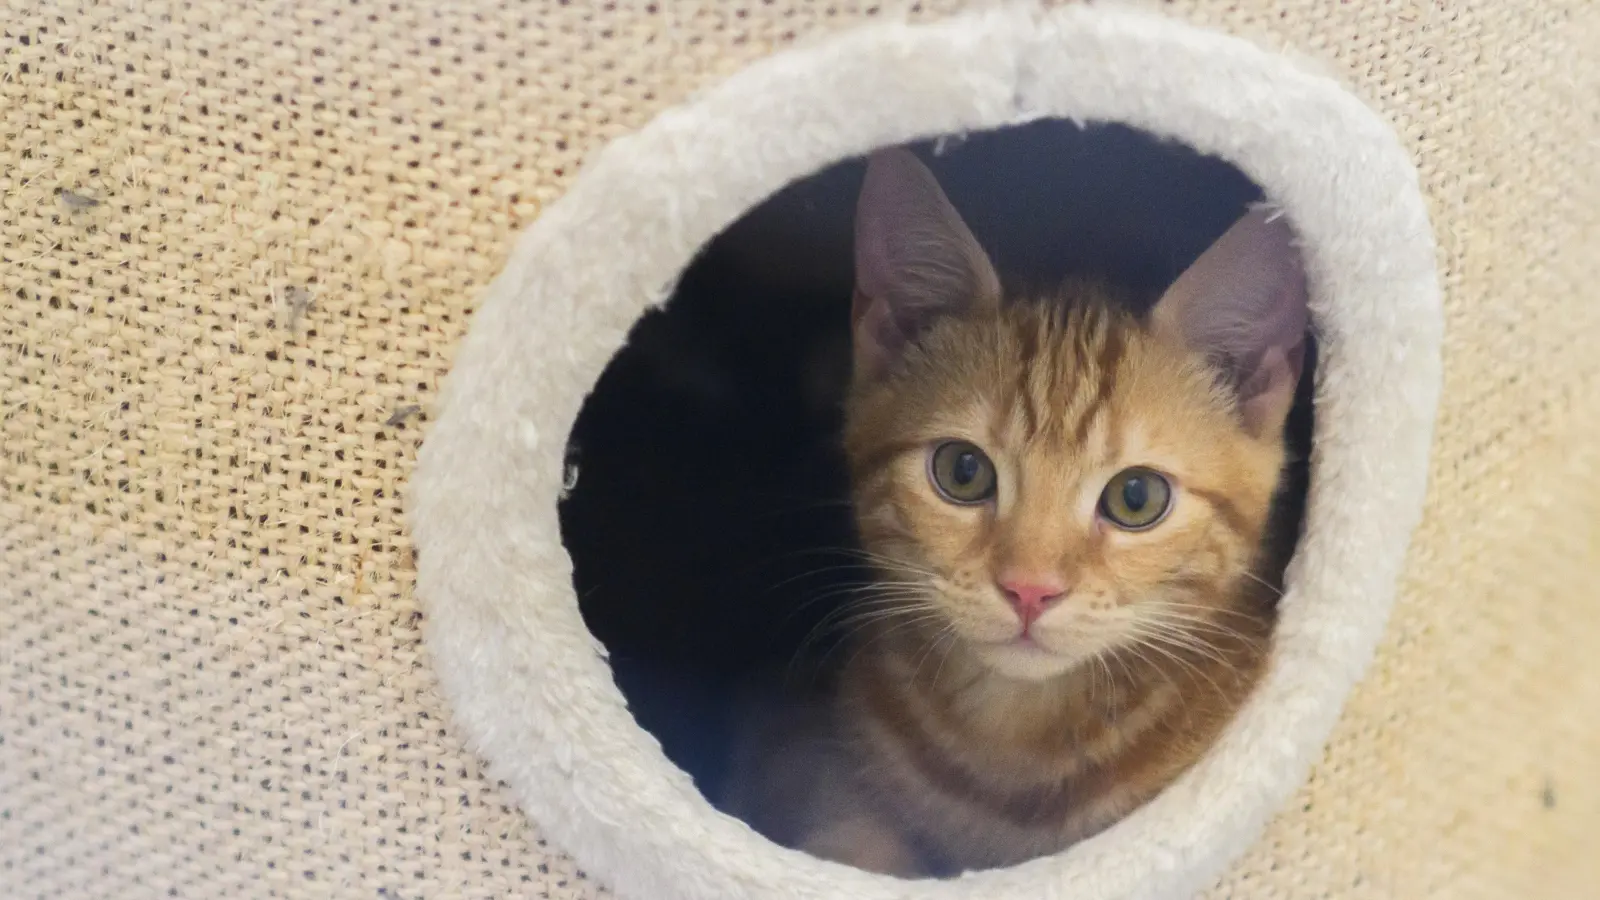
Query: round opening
[(711, 518), (530, 683)]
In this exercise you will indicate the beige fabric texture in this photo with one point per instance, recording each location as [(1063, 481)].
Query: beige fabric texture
[(239, 243)]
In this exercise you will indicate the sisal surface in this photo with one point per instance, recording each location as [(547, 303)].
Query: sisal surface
[(211, 680)]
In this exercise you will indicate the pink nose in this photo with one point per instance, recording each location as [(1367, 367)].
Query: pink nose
[(1031, 596)]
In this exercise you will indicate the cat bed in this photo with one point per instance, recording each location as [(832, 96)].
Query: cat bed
[(530, 685)]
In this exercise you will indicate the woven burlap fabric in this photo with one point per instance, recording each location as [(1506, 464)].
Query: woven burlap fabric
[(211, 680)]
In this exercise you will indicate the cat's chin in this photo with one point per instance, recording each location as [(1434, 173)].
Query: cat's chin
[(1024, 660)]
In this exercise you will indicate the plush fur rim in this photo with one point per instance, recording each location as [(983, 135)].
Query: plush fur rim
[(530, 685)]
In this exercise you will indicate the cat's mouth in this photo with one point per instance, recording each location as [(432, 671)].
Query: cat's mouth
[(1026, 656), (1026, 645), (1025, 660), (1038, 650), (1029, 642), (1025, 640)]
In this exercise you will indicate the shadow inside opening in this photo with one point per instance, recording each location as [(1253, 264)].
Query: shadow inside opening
[(709, 523)]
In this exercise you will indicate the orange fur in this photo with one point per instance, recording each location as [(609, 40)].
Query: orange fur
[(960, 736), (948, 745), (990, 753)]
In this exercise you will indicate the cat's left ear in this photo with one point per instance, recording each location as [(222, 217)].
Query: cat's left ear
[(915, 260), (1242, 305)]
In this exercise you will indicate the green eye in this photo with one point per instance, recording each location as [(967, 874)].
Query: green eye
[(1136, 499), (961, 472)]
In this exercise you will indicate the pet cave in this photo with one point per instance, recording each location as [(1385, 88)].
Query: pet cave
[(707, 514), (546, 684)]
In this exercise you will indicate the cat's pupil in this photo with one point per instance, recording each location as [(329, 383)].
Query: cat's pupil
[(1135, 493), (966, 469)]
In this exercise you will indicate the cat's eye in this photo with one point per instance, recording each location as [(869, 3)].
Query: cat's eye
[(961, 472), (1136, 499)]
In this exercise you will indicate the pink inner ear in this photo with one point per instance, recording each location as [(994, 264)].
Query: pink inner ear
[(1266, 398), (877, 336), (1243, 305)]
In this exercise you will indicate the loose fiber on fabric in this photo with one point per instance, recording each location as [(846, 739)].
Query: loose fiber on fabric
[(239, 243)]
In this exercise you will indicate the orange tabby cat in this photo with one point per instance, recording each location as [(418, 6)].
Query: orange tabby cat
[(1067, 507)]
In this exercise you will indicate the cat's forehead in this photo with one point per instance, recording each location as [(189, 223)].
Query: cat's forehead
[(1070, 389), (1061, 375)]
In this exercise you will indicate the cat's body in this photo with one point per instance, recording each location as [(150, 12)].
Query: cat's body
[(1069, 511)]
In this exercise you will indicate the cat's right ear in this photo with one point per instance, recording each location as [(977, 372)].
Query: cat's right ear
[(915, 260), (1243, 306)]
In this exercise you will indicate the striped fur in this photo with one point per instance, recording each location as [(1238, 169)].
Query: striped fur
[(947, 749), (965, 734)]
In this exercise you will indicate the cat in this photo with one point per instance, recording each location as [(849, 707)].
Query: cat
[(1069, 508)]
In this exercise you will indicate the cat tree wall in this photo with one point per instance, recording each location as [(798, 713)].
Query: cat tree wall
[(213, 683)]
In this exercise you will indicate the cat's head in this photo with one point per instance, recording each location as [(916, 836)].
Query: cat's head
[(1045, 479)]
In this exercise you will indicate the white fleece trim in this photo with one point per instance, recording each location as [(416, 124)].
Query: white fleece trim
[(529, 683)]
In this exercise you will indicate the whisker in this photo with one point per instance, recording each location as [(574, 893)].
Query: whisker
[(1136, 648), (1183, 643), (869, 590), (846, 627), (1094, 671), (882, 603), (1127, 670), (927, 652), (1189, 626), (881, 634), (1180, 629), (1195, 672), (841, 614), (1277, 591), (886, 561), (948, 637), (865, 559), (1154, 642), (1206, 635), (1209, 610), (787, 510), (824, 570), (874, 593)]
